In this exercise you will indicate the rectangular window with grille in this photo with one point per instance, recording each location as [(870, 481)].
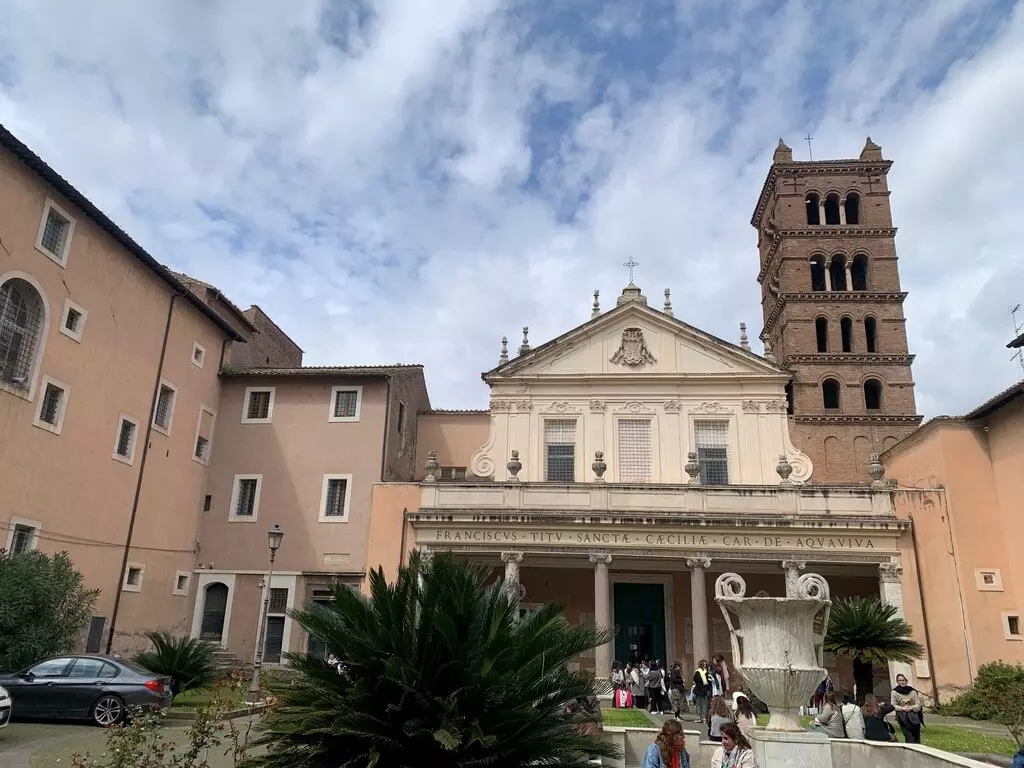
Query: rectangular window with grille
[(164, 411), (278, 602), (53, 401), (335, 497), (712, 441), (204, 435), (634, 450), (246, 494), (55, 234), (23, 539), (345, 403), (560, 450), (258, 406), (124, 448), (202, 448)]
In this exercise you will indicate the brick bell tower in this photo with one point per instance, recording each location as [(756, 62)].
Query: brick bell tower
[(833, 308)]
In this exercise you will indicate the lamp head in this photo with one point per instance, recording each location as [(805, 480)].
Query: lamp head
[(274, 537)]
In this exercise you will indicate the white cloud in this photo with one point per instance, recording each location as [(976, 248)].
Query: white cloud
[(409, 181)]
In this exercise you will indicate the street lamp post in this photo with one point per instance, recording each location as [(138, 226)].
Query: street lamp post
[(274, 537)]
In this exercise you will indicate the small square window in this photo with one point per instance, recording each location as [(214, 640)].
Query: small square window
[(988, 579), (335, 497), (198, 354), (258, 405), (133, 577), (72, 322), (181, 580), (1011, 626), (55, 230), (245, 498), (52, 405), (125, 440), (163, 414), (346, 403)]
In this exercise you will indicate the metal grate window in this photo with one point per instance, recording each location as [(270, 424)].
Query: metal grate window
[(560, 450), (713, 451), (23, 539), (278, 600), (245, 506), (125, 438), (21, 319), (164, 406), (634, 450), (202, 447), (53, 399), (259, 405), (73, 321), (345, 402), (334, 503), (55, 233)]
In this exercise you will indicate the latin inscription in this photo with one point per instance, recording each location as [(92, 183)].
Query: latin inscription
[(660, 540)]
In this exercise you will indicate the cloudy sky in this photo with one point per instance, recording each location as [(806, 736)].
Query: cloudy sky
[(407, 181)]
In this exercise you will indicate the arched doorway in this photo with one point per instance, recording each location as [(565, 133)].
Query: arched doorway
[(215, 605)]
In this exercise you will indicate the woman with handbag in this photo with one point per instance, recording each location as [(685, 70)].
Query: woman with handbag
[(907, 703)]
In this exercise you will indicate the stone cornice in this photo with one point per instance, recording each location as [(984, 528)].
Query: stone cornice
[(819, 297), (849, 358), (912, 421), (819, 232), (819, 168)]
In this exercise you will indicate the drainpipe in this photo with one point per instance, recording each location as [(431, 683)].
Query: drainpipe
[(142, 473), (924, 610)]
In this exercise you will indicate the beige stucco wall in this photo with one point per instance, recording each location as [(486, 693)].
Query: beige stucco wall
[(292, 454), (69, 483), (453, 435), (390, 538)]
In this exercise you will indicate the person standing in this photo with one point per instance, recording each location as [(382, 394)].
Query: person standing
[(655, 684), (907, 703), (722, 670), (702, 690), (668, 749), (677, 690), (637, 688), (853, 719), (735, 751)]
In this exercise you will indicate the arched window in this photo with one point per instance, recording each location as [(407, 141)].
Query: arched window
[(852, 206), (818, 273), (846, 331), (821, 332), (813, 211), (832, 209), (870, 337), (21, 332), (872, 395), (837, 272), (789, 398), (859, 272), (830, 394)]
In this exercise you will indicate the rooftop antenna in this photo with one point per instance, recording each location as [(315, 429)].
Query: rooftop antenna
[(1018, 326), (808, 138)]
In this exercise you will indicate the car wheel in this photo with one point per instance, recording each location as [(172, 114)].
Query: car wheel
[(107, 711)]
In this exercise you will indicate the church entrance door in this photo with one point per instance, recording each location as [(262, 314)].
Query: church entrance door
[(640, 618)]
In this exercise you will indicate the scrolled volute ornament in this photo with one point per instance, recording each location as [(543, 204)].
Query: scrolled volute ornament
[(811, 586), (730, 585)]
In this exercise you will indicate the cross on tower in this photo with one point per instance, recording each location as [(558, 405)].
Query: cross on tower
[(630, 265), (808, 138)]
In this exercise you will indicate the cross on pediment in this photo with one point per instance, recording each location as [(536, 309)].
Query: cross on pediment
[(631, 264)]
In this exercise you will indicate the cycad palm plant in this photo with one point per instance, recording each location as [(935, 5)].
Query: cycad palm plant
[(436, 671), (187, 660), (869, 632)]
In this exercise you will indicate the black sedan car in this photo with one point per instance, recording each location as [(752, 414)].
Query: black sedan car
[(96, 688)]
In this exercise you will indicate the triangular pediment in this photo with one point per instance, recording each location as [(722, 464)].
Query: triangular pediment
[(636, 340)]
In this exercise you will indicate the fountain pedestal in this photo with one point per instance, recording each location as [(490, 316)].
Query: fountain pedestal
[(777, 645)]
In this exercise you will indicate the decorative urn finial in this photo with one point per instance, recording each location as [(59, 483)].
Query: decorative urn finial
[(692, 467), (596, 309), (432, 467), (667, 309), (877, 472), (785, 469), (504, 351), (744, 341), (599, 466), (525, 346), (513, 466)]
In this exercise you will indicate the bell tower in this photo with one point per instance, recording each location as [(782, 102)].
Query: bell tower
[(833, 308)]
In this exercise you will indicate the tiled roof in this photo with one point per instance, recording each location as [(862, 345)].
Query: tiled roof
[(997, 402), (455, 412), (76, 198), (188, 280), (328, 370)]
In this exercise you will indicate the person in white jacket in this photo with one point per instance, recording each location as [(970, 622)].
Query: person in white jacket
[(853, 718), (735, 751)]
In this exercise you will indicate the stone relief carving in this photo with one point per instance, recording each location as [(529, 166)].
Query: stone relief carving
[(712, 407), (481, 463), (524, 405), (775, 406), (597, 406), (561, 407), (633, 350), (672, 406), (751, 406), (634, 407), (500, 405)]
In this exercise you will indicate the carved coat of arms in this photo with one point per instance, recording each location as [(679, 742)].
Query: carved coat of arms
[(633, 349)]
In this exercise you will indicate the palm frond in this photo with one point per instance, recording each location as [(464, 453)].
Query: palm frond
[(188, 660), (868, 630)]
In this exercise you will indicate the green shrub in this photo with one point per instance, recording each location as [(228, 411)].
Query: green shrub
[(44, 607), (187, 660), (997, 695)]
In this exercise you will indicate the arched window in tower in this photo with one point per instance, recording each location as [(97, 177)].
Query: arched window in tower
[(813, 209), (832, 209), (818, 273), (789, 398), (22, 317), (859, 272), (852, 208), (873, 395), (830, 394), (837, 272), (870, 337), (821, 332), (846, 331)]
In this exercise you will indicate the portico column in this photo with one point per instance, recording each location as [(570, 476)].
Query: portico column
[(890, 583), (699, 608), (792, 569), (602, 612), (512, 561)]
